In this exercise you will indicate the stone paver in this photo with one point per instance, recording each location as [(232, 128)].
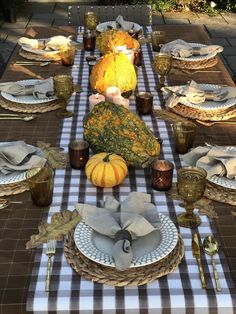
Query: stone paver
[(221, 28)]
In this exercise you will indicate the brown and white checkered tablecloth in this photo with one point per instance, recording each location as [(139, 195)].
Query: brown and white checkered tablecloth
[(180, 291)]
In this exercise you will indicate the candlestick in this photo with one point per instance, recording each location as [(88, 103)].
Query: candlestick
[(111, 92), (95, 99), (119, 100)]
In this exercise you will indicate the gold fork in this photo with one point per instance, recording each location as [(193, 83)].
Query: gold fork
[(206, 123), (50, 251)]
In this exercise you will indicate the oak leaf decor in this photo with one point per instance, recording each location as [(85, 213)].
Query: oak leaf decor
[(55, 155), (170, 116), (61, 224)]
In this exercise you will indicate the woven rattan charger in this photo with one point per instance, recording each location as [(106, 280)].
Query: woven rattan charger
[(194, 64), (110, 276)]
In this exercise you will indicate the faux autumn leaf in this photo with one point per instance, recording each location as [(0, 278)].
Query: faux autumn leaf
[(170, 116), (55, 156), (61, 224)]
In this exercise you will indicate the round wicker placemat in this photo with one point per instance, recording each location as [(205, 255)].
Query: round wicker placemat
[(35, 57), (220, 194), (195, 64), (110, 276), (32, 108), (211, 115), (13, 188)]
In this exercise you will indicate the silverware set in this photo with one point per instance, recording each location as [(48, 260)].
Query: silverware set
[(210, 247)]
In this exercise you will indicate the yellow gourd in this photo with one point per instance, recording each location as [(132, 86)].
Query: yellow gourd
[(106, 169), (113, 69)]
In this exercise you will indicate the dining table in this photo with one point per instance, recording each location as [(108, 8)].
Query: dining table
[(23, 272)]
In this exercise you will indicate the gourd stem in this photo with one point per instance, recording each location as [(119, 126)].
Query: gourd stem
[(106, 158)]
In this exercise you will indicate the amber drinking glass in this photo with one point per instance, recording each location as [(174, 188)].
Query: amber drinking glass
[(162, 66), (191, 186), (63, 89), (184, 134), (158, 38), (67, 55)]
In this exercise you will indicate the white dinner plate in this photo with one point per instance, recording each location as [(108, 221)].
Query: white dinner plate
[(197, 58), (209, 104), (17, 176), (102, 27), (147, 250), (27, 99), (223, 181)]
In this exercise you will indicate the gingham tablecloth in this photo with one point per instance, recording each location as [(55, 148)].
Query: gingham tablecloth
[(180, 291)]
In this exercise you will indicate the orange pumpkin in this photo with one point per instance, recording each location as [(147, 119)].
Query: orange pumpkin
[(113, 69), (106, 169)]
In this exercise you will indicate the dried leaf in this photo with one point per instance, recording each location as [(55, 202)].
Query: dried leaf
[(233, 213), (56, 158), (204, 205), (61, 224), (170, 116), (78, 88)]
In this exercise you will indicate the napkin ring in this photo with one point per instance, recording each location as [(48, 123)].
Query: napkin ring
[(123, 235)]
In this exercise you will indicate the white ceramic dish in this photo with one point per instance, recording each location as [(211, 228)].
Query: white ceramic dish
[(102, 27), (209, 104), (197, 58), (27, 99), (147, 250), (16, 176)]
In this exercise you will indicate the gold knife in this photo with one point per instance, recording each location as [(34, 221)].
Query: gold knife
[(197, 254)]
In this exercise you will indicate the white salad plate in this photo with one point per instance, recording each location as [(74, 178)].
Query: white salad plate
[(197, 58), (147, 249), (209, 104), (17, 176), (102, 27), (27, 99)]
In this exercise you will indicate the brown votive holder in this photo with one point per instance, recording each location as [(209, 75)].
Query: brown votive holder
[(144, 103), (138, 57), (162, 174), (79, 154), (68, 55), (89, 40), (41, 186)]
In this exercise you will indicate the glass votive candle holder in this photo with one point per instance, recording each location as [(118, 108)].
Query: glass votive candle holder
[(138, 57), (144, 103), (89, 40), (78, 154), (158, 38), (184, 134), (67, 55), (162, 175)]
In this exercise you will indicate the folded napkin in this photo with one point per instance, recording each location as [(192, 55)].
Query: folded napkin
[(17, 156), (52, 43), (126, 221), (181, 48), (216, 160), (195, 94), (40, 90), (125, 25)]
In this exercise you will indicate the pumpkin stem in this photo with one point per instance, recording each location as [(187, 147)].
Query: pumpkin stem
[(106, 158)]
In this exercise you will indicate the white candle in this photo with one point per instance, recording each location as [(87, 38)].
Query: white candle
[(111, 92), (119, 100), (121, 48), (130, 55), (95, 99)]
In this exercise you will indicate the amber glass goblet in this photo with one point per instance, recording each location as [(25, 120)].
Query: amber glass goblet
[(90, 20), (191, 186), (63, 89), (162, 65)]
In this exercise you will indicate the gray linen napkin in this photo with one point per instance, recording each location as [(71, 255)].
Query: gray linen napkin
[(216, 160), (136, 215), (17, 156), (41, 90), (183, 49), (195, 94), (125, 25)]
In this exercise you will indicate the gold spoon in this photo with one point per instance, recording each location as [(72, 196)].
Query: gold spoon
[(216, 122), (4, 203), (41, 64), (17, 117), (211, 248)]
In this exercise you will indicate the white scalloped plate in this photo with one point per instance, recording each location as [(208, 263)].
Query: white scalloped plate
[(197, 58), (16, 176), (223, 181), (147, 250), (27, 99), (102, 27), (209, 104)]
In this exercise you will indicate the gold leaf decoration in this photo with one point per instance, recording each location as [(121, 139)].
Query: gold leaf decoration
[(61, 224), (171, 117), (204, 205), (55, 156)]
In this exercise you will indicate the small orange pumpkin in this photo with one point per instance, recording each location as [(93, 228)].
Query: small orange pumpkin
[(106, 169)]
